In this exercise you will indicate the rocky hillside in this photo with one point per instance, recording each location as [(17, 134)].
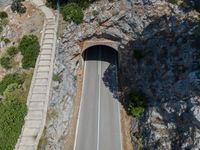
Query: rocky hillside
[(167, 70)]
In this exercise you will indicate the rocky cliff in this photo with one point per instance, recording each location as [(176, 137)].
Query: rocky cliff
[(167, 71)]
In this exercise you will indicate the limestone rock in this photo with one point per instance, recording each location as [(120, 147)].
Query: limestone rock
[(167, 72)]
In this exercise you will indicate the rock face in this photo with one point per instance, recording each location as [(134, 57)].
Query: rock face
[(167, 71), (61, 102)]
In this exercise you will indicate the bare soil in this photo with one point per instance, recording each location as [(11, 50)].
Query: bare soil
[(28, 23), (125, 129)]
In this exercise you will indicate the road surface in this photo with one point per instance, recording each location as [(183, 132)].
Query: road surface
[(98, 126)]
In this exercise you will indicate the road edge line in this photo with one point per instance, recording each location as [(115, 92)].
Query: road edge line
[(119, 110), (99, 98), (83, 87), (120, 127)]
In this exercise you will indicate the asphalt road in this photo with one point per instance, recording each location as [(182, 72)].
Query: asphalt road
[(98, 126)]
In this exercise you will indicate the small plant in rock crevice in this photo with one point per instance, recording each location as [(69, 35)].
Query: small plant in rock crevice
[(136, 103)]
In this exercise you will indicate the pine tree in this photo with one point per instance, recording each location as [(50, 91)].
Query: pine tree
[(18, 7)]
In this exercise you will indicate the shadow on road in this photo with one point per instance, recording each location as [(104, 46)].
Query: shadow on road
[(109, 55)]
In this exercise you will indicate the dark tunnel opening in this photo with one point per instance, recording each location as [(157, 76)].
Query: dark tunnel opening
[(101, 53), (109, 59)]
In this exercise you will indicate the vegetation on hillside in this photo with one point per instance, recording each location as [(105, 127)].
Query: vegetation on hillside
[(136, 103), (5, 62), (14, 90), (3, 20), (6, 40), (11, 121), (72, 12), (9, 79), (56, 78), (18, 7), (81, 3), (29, 47), (3, 15), (7, 59)]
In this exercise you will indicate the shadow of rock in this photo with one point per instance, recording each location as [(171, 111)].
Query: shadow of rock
[(110, 79), (168, 74)]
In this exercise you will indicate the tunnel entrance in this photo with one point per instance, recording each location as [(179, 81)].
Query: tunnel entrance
[(101, 53), (103, 59), (99, 114)]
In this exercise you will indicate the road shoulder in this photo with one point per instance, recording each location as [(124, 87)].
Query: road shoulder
[(71, 133)]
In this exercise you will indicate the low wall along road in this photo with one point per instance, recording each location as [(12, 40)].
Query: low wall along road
[(38, 97)]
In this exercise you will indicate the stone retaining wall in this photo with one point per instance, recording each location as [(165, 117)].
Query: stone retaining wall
[(37, 101)]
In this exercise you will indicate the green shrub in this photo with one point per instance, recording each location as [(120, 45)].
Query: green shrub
[(11, 121), (9, 79), (136, 104), (138, 137), (51, 3), (5, 62), (13, 108), (15, 92), (18, 7), (1, 28), (4, 22), (95, 12), (72, 12), (10, 88), (81, 3), (56, 78), (12, 51), (30, 48), (6, 40), (3, 15), (18, 90)]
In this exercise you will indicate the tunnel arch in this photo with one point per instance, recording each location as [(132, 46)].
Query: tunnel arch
[(101, 52), (104, 42), (106, 58), (89, 44)]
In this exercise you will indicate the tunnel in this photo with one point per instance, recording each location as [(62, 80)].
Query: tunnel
[(99, 120), (101, 53), (108, 57)]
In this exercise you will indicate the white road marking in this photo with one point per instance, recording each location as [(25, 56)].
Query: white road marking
[(120, 126), (99, 96), (82, 95)]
